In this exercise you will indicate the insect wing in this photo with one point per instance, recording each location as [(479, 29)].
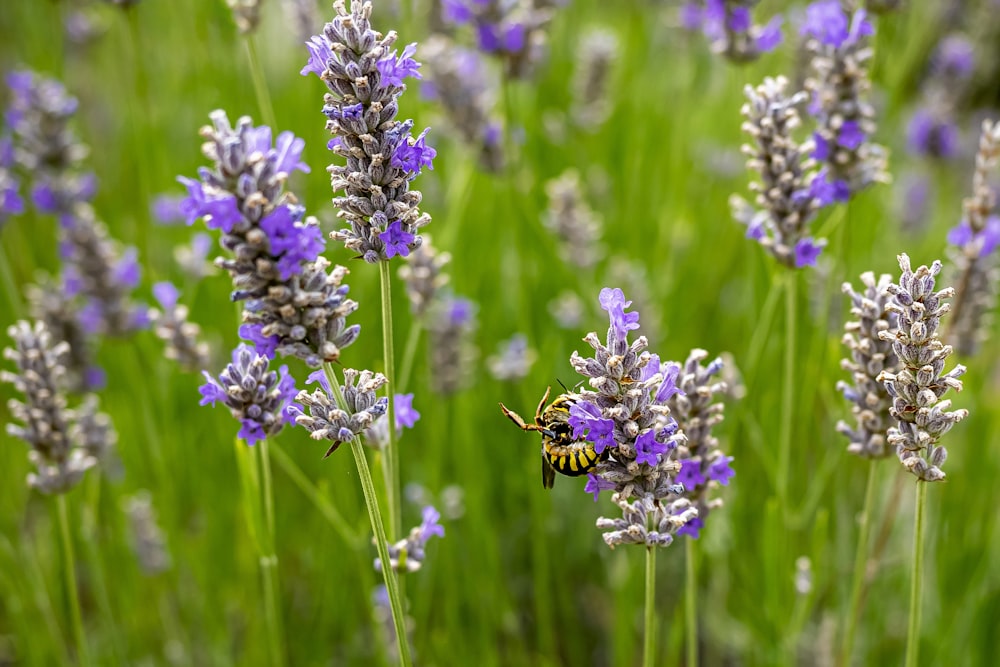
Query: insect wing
[(548, 473)]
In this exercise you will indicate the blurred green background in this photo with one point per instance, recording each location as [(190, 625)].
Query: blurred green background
[(522, 576)]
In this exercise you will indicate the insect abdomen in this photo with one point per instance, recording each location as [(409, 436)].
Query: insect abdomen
[(572, 460)]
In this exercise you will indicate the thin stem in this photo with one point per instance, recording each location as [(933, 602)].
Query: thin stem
[(649, 643), (691, 603), (260, 83), (913, 633), (409, 355), (788, 390), (69, 569), (860, 566), (375, 516), (391, 450), (269, 562)]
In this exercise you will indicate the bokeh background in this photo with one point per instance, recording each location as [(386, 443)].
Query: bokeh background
[(522, 576)]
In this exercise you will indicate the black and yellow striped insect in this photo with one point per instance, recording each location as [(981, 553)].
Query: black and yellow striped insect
[(560, 451)]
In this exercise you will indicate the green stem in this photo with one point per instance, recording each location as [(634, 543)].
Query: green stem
[(649, 642), (913, 633), (325, 507), (691, 603), (391, 449), (269, 562), (788, 390), (260, 84), (375, 516), (860, 565), (69, 569), (409, 355)]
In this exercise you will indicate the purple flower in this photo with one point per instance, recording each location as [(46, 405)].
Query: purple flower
[(166, 294), (613, 301), (932, 136), (430, 526), (954, 58), (45, 198), (962, 235), (720, 470), (394, 70), (459, 311), (414, 157), (294, 244), (596, 484), (668, 387), (396, 240), (319, 55), (405, 414), (353, 111), (166, 209), (587, 422), (456, 11), (266, 345), (128, 271), (690, 475), (807, 252), (647, 449), (822, 147), (11, 202), (851, 136), (320, 377), (692, 528), (287, 152), (826, 21), (770, 36)]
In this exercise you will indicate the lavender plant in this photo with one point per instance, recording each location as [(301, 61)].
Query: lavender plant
[(514, 32), (451, 326), (789, 192), (974, 241), (148, 541), (293, 305), (180, 336), (837, 40), (916, 390), (572, 221), (729, 27), (407, 555), (595, 59)]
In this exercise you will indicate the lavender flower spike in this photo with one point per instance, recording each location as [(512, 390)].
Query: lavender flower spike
[(327, 421), (729, 27), (788, 194), (257, 397), (839, 87), (869, 355), (703, 464), (916, 390), (409, 553), (365, 79), (49, 426)]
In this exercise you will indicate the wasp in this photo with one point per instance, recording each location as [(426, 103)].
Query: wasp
[(560, 451)]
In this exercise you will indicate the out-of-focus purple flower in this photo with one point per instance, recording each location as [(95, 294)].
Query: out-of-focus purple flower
[(932, 136), (851, 135), (720, 470), (430, 526), (457, 12), (690, 475), (166, 294), (406, 416), (827, 21), (460, 311), (692, 528), (770, 36), (394, 70), (647, 449), (808, 251), (954, 58), (962, 235), (396, 240), (166, 209), (587, 422), (596, 484)]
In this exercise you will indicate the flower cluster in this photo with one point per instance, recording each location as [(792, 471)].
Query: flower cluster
[(408, 554), (511, 31), (329, 421), (729, 27), (377, 436), (932, 130), (50, 304), (65, 442), (975, 239), (595, 58), (916, 390), (451, 324), (869, 355), (572, 221), (459, 80), (703, 464), (839, 86), (513, 360), (171, 325), (625, 415), (365, 79), (11, 202), (292, 304), (423, 277), (789, 193), (148, 543), (259, 398)]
